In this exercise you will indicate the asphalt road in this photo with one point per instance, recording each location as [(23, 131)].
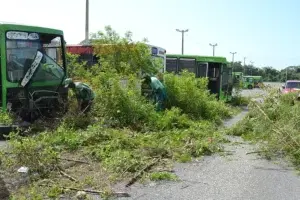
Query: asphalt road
[(235, 176)]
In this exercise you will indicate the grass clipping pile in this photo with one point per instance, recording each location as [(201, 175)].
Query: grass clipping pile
[(122, 139), (275, 125)]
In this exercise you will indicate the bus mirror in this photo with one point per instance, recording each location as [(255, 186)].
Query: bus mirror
[(283, 86)]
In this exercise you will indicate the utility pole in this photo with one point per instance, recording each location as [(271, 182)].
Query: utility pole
[(251, 66), (286, 74), (233, 60), (182, 38), (245, 64), (213, 45), (87, 21)]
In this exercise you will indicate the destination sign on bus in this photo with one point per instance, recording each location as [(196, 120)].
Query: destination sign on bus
[(18, 35)]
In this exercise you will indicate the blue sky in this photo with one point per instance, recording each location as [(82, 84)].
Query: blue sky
[(265, 31)]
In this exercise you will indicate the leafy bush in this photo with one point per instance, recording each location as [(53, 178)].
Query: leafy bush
[(123, 131), (190, 94), (33, 153), (276, 123), (121, 54)]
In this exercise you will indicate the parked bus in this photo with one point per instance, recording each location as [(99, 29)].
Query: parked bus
[(216, 69), (258, 81), (33, 67), (250, 82), (237, 76), (86, 53)]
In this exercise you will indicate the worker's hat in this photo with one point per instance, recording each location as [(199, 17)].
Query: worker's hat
[(67, 82)]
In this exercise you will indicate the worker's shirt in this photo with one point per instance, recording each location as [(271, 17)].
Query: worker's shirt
[(156, 85), (84, 92)]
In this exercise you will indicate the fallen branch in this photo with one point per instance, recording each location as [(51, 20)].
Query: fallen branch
[(254, 152), (126, 170), (61, 171), (164, 170), (72, 160), (117, 194), (278, 131), (68, 176), (136, 177)]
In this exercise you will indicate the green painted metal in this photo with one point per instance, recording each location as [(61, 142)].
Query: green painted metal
[(212, 59), (223, 95), (252, 81), (16, 27), (248, 82)]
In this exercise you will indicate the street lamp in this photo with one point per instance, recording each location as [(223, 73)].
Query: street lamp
[(233, 60), (245, 65), (251, 66), (182, 38), (87, 21), (213, 45)]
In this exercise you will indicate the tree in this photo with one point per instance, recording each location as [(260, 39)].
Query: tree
[(121, 54)]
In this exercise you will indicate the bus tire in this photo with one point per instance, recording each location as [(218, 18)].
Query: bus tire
[(250, 87)]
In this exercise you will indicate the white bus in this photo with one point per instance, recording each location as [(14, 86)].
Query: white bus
[(86, 53), (159, 53)]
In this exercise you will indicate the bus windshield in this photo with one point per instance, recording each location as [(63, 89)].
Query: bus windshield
[(24, 48)]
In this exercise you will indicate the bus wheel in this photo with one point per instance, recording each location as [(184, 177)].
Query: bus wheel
[(250, 87)]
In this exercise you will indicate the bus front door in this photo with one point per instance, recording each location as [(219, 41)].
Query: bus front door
[(214, 78), (202, 69)]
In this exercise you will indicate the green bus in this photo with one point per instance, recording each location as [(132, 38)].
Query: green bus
[(258, 81), (250, 82), (237, 75), (215, 69), (33, 67)]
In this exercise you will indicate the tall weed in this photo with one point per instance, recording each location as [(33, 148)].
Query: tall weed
[(190, 94), (276, 124)]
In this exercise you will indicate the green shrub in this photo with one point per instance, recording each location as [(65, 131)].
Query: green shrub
[(275, 123), (190, 94), (33, 153), (159, 176)]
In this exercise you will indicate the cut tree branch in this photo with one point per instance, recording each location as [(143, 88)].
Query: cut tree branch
[(117, 194), (72, 160), (142, 171)]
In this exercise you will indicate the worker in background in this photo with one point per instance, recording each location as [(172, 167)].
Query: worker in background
[(84, 94), (158, 90)]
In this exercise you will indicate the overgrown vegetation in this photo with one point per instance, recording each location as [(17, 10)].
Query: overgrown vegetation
[(191, 95), (237, 98), (274, 124), (122, 132)]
